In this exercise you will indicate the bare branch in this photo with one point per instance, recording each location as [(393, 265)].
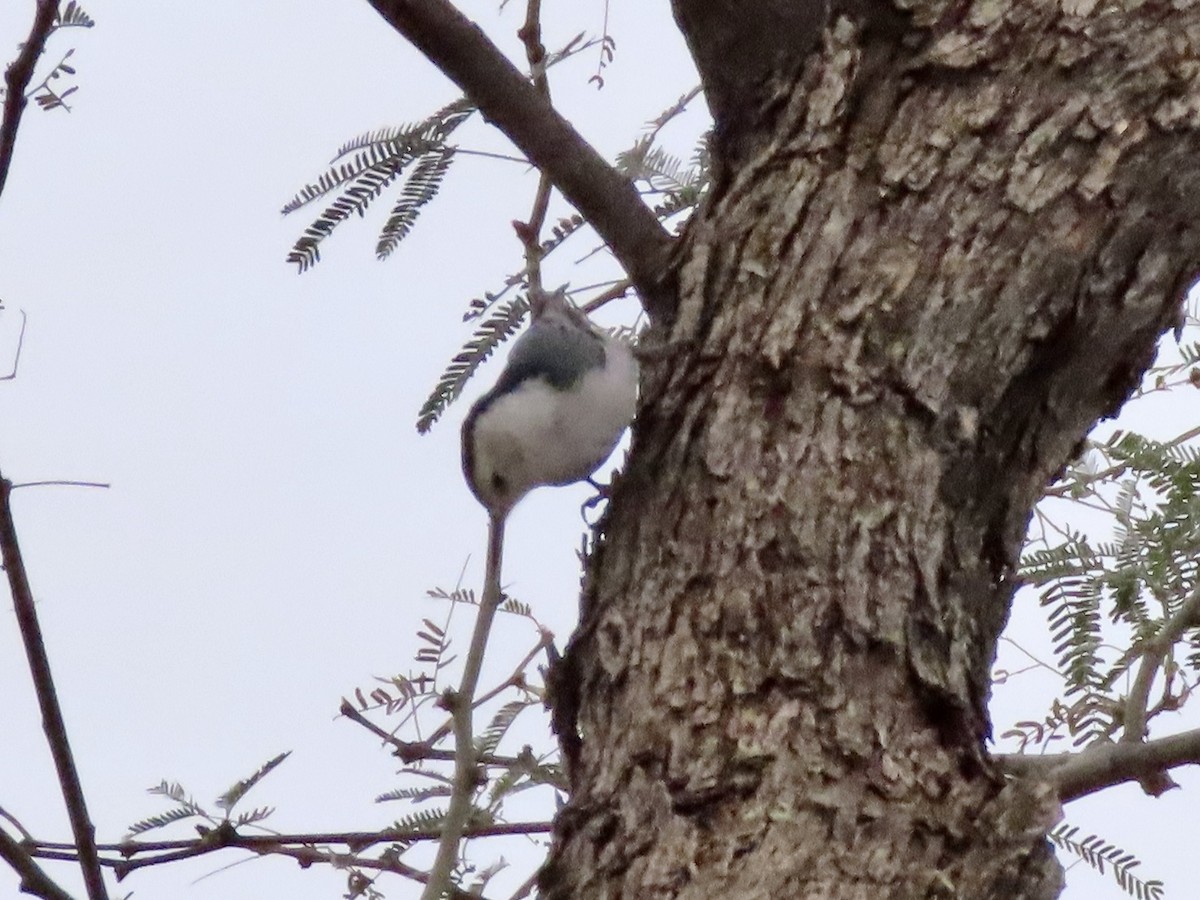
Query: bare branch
[(530, 232), (306, 849), (225, 837), (61, 483), (1105, 765), (462, 706), (412, 751), (1154, 651), (16, 80), (33, 879), (52, 718), (306, 856), (509, 101), (618, 290)]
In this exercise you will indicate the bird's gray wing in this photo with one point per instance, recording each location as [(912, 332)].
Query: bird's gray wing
[(554, 349)]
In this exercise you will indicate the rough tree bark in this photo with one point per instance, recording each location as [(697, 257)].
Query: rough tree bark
[(942, 245)]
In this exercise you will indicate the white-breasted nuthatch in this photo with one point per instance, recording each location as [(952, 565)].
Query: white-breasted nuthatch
[(556, 412)]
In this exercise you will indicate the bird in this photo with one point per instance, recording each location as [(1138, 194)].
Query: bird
[(566, 395)]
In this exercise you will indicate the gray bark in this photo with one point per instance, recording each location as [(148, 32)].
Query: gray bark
[(945, 250)]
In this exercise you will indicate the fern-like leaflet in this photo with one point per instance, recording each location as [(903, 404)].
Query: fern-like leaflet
[(501, 722), (187, 808), (72, 16), (178, 814), (366, 166), (487, 337), (419, 189), (415, 795), (228, 800), (1101, 855)]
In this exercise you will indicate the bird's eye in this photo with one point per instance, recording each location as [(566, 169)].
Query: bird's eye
[(498, 483)]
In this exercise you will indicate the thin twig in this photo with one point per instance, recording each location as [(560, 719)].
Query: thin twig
[(546, 640), (606, 48), (461, 704), (17, 354), (15, 822), (526, 886), (620, 289), (412, 751), (517, 678), (16, 80), (52, 717), (61, 483), (1037, 663), (306, 856), (485, 154), (45, 86), (530, 232)]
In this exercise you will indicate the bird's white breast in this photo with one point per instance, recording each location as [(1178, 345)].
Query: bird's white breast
[(540, 435)]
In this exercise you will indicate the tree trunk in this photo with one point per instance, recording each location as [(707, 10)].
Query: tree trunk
[(940, 248)]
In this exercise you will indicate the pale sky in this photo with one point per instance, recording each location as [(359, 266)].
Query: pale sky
[(274, 519)]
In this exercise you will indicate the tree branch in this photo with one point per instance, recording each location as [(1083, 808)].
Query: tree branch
[(52, 718), (33, 879), (530, 232), (460, 49), (1105, 765), (304, 848), (414, 751), (306, 856), (16, 80), (462, 709), (223, 838), (1067, 488), (1154, 651)]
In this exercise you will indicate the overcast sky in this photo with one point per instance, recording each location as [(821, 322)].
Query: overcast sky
[(274, 519)]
